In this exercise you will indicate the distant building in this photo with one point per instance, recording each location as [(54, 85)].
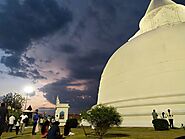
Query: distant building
[(61, 112), (74, 116)]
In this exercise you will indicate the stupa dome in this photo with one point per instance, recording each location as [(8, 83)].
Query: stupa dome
[(148, 72)]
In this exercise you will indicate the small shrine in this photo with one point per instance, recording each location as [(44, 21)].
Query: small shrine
[(61, 112)]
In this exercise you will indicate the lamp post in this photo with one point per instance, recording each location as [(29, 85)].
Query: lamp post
[(26, 101), (27, 90)]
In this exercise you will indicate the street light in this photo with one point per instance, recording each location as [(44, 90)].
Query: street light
[(28, 90)]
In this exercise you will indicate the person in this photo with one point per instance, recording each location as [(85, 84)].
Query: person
[(35, 121), (163, 115), (23, 120), (182, 126), (170, 118), (3, 118), (67, 130), (11, 123), (154, 114), (54, 131), (44, 129), (41, 121), (52, 120), (17, 125)]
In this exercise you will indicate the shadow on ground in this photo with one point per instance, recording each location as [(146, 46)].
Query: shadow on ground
[(182, 137), (25, 135), (13, 137), (116, 135)]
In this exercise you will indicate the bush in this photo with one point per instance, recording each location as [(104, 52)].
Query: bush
[(160, 124), (102, 118), (72, 123)]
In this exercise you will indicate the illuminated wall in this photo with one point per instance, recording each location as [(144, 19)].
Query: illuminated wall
[(61, 112), (147, 73)]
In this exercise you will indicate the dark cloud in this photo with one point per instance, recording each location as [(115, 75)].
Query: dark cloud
[(21, 67), (88, 66), (69, 49), (21, 23), (11, 61), (103, 28), (30, 60), (79, 100), (18, 74)]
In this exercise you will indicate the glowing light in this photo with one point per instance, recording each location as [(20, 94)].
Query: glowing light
[(28, 89)]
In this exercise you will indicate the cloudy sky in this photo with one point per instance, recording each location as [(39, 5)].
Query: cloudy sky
[(60, 47)]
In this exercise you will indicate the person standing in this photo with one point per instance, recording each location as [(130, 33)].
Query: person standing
[(170, 118), (3, 118), (22, 122), (11, 123), (163, 115), (17, 125), (35, 121), (41, 121), (154, 114)]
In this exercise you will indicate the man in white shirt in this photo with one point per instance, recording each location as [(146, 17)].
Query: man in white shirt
[(22, 123), (11, 123)]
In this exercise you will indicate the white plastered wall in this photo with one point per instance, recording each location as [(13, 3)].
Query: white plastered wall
[(60, 108), (147, 73)]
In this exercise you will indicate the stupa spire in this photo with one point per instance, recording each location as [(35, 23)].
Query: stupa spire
[(158, 3), (57, 100)]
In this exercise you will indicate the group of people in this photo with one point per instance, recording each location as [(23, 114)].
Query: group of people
[(49, 128), (7, 122), (168, 116)]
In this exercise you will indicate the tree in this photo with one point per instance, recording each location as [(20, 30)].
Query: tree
[(102, 118), (14, 102)]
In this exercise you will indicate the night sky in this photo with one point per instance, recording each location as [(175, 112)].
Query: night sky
[(61, 46)]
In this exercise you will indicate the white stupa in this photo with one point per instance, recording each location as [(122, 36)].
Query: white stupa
[(148, 72)]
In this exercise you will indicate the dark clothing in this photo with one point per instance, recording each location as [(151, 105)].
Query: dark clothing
[(10, 126), (35, 119), (54, 133), (171, 123), (3, 115), (33, 129), (66, 130), (17, 130), (3, 127), (44, 129)]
